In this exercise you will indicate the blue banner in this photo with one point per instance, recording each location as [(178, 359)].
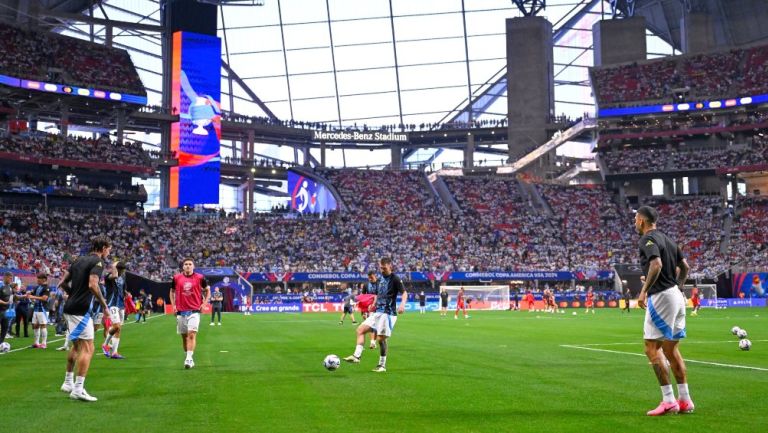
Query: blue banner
[(733, 302), (498, 276), (309, 195), (276, 308)]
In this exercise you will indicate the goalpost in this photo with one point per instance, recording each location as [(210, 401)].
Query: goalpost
[(706, 291), (479, 297)]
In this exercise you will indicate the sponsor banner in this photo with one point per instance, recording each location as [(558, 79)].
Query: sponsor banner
[(276, 308), (733, 302), (322, 307), (230, 272), (353, 277)]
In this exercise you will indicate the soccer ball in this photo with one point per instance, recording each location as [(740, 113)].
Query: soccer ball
[(331, 362), (745, 344), (735, 330), (742, 333), (5, 347)]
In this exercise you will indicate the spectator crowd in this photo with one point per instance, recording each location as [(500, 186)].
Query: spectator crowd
[(50, 57)]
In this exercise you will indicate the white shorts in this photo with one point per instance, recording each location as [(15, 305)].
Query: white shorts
[(116, 315), (665, 316), (97, 319), (188, 323), (80, 327), (382, 323), (39, 318)]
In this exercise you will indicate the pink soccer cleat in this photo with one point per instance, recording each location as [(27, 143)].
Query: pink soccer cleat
[(686, 406), (106, 350), (664, 408)]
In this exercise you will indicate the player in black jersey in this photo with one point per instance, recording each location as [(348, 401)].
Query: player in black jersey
[(83, 279), (115, 285), (665, 271)]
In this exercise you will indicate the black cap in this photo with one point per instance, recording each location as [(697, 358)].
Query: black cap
[(649, 213)]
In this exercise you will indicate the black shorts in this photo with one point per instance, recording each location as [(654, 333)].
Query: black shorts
[(444, 305), (348, 309)]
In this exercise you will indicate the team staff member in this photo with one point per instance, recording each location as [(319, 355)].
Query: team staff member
[(83, 279), (217, 303), (189, 294), (6, 302)]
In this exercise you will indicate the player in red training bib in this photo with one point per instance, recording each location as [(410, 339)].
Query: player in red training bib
[(696, 301), (460, 305), (590, 302), (366, 303), (189, 293), (530, 300)]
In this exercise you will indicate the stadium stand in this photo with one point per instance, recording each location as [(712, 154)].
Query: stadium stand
[(711, 75), (59, 59)]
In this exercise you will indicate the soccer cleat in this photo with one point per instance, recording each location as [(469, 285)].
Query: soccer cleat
[(81, 395), (42, 346), (372, 345), (105, 349), (219, 323), (212, 324), (664, 408), (189, 364), (67, 387), (341, 323), (34, 346), (379, 369), (686, 406), (353, 359)]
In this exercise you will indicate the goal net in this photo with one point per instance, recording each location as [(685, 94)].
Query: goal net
[(480, 297), (706, 291)]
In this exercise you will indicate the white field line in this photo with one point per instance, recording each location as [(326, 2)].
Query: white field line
[(692, 361), (682, 343)]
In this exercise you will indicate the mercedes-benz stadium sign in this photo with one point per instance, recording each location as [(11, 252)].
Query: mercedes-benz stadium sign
[(360, 137)]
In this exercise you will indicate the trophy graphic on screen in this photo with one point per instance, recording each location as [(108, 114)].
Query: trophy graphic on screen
[(202, 109)]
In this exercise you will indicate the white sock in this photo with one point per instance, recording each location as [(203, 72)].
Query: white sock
[(358, 350), (44, 335), (115, 344), (69, 377), (189, 355), (682, 391), (383, 361), (79, 383), (668, 394), (37, 335)]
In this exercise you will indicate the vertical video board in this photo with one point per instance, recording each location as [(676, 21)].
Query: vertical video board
[(196, 137)]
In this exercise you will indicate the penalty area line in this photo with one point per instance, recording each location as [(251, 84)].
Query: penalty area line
[(692, 361)]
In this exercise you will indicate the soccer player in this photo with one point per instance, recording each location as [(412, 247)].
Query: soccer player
[(189, 293), (443, 302), (460, 304), (530, 300), (627, 296), (385, 316), (590, 302), (665, 310), (40, 311), (217, 303), (349, 308), (696, 301), (83, 279), (365, 301), (6, 302), (115, 285)]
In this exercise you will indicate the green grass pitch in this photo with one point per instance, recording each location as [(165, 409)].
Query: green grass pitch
[(496, 372)]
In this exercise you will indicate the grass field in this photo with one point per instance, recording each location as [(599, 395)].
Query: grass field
[(496, 372)]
